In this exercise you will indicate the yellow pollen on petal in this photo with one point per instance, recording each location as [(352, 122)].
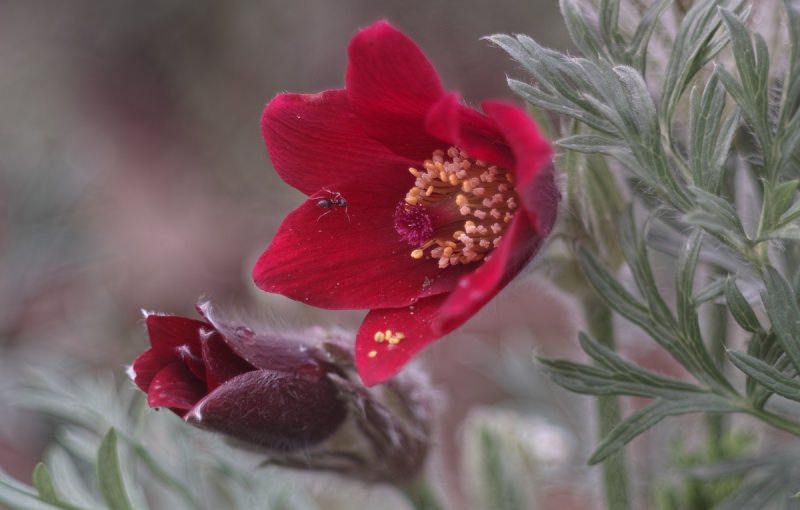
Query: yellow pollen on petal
[(471, 203), (372, 354), (392, 337)]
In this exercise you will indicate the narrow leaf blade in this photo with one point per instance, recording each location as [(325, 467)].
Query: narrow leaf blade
[(109, 474)]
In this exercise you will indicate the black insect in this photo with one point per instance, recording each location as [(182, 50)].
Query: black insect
[(333, 201)]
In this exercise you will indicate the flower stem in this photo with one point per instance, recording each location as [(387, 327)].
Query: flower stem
[(421, 495), (716, 424), (615, 473)]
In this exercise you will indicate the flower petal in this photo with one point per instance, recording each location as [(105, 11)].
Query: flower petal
[(431, 318), (349, 257), (391, 85), (315, 142), (534, 170), (264, 349), (520, 243), (168, 333), (175, 387), (469, 130), (221, 363), (272, 409), (145, 367), (378, 361)]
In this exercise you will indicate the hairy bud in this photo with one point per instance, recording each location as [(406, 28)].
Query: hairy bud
[(294, 395)]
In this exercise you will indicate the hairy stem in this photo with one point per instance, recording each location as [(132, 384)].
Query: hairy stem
[(615, 472), (716, 424)]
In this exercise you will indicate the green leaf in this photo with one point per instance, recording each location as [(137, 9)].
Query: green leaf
[(772, 378), (717, 216), (18, 496), (709, 138), (789, 232), (44, 484), (740, 309), (609, 289), (703, 367), (710, 292), (791, 82), (752, 62), (788, 142), (641, 38), (650, 415), (684, 285), (160, 473), (788, 211), (583, 36), (608, 25), (592, 380), (68, 480), (780, 198), (591, 144), (695, 44), (635, 251), (622, 302), (618, 366), (109, 474), (781, 305), (790, 215), (563, 84)]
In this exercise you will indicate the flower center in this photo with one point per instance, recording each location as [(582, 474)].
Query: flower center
[(457, 210)]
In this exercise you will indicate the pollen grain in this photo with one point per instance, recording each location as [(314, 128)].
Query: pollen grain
[(466, 205)]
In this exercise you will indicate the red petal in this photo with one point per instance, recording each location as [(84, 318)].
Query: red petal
[(221, 363), (175, 387), (168, 334), (534, 170), (264, 349), (315, 142), (391, 85), (520, 243), (431, 318), (272, 409), (145, 367), (469, 130), (415, 322), (349, 257)]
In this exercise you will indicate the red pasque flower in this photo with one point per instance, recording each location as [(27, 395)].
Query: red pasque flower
[(420, 208), (260, 388)]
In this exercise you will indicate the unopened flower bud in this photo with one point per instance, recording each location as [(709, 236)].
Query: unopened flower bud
[(257, 387), (294, 395)]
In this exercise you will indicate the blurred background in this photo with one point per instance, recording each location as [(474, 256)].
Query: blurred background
[(133, 175)]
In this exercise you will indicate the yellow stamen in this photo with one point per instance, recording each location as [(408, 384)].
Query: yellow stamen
[(475, 201)]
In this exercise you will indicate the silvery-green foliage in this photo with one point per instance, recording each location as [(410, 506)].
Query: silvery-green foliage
[(687, 128), (112, 452), (505, 455)]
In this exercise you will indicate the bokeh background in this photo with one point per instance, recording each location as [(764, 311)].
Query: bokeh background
[(133, 175)]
